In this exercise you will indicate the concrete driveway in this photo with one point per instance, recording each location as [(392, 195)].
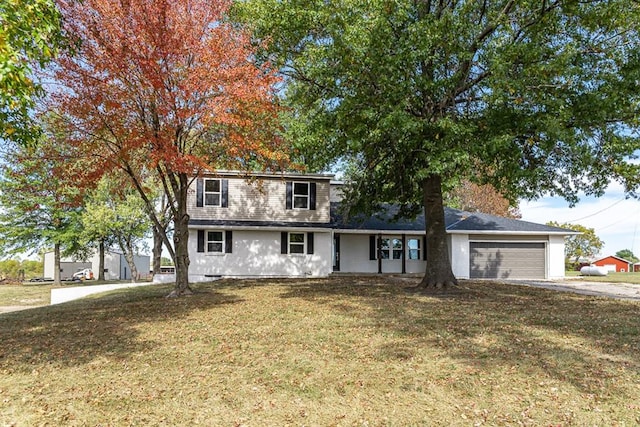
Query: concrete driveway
[(601, 289)]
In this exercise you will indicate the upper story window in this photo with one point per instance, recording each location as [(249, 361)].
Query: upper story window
[(301, 195), (212, 192)]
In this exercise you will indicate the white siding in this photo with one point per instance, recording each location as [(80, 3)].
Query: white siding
[(257, 253), (460, 255), (48, 265), (354, 256), (262, 200), (555, 263), (113, 262)]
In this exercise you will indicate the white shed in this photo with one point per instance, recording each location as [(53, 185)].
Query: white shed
[(115, 265)]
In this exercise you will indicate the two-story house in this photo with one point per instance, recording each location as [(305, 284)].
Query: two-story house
[(289, 225), (265, 225)]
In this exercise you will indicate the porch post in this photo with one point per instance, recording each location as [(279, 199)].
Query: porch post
[(379, 253), (404, 251)]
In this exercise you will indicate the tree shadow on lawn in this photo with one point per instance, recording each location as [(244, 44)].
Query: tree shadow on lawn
[(585, 341), (80, 331)]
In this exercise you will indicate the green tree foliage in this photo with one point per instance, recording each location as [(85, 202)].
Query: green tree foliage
[(583, 245), (115, 215), (39, 210), (628, 255), (14, 269), (532, 97), (30, 36)]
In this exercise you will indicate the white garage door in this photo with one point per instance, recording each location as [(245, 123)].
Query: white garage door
[(506, 260)]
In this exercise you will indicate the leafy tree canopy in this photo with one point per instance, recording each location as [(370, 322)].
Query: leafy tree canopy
[(30, 35), (628, 255), (584, 245), (472, 197), (16, 269), (168, 89), (531, 97), (38, 211)]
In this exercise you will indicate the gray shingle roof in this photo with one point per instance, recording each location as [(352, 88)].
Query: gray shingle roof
[(455, 220)]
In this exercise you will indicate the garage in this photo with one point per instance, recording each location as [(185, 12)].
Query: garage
[(507, 260)]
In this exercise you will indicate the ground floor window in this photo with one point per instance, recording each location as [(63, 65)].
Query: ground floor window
[(397, 248), (384, 248), (215, 241), (296, 243), (390, 248), (414, 249)]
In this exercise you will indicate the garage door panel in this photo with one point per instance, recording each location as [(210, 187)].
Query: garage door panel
[(507, 260)]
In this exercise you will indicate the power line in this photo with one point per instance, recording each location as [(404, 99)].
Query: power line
[(600, 211)]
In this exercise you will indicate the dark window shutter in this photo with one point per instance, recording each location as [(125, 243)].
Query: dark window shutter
[(372, 247), (284, 242), (289, 195), (200, 240), (310, 243), (225, 193), (424, 248), (228, 241), (199, 192), (312, 196)]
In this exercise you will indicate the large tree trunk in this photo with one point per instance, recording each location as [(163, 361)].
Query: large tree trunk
[(157, 251), (56, 264), (101, 260), (181, 239), (438, 274)]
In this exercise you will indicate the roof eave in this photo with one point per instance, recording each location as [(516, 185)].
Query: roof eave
[(512, 232)]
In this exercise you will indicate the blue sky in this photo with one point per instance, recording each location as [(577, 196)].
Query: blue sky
[(616, 220)]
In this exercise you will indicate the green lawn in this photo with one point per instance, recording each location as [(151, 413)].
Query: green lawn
[(25, 295), (611, 277), (340, 351)]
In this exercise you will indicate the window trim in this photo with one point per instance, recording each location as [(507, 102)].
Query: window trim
[(297, 244), (418, 249), (307, 196), (396, 250), (202, 242), (222, 242), (205, 192), (382, 250)]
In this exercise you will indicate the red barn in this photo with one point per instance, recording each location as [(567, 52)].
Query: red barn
[(614, 263)]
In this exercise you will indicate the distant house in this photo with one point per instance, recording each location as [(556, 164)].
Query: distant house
[(614, 264), (115, 266), (636, 267)]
